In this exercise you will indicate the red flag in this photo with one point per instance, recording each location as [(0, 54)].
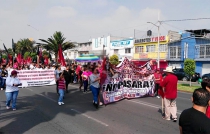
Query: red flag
[(19, 58), (60, 56), (46, 61)]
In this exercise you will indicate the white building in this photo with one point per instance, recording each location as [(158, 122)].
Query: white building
[(123, 47)]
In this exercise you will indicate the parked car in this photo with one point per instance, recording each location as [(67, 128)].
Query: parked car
[(206, 76), (181, 75)]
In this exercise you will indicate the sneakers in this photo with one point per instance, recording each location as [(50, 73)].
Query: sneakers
[(100, 104), (158, 97), (2, 89), (168, 119), (7, 107), (14, 109), (60, 103), (174, 119)]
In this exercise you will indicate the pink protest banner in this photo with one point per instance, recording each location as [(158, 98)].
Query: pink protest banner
[(128, 81)]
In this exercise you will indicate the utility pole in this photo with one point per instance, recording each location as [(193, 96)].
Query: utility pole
[(158, 47)]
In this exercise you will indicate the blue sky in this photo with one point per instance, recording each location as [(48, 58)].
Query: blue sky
[(81, 20)]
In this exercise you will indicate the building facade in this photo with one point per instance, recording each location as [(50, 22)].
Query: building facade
[(193, 47), (122, 48), (84, 48), (147, 49)]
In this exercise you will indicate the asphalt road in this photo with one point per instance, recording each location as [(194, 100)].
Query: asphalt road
[(38, 112)]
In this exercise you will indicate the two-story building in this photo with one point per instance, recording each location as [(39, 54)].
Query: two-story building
[(194, 44), (123, 47), (147, 49), (84, 48)]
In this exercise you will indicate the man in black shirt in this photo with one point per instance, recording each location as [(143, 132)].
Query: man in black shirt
[(194, 120)]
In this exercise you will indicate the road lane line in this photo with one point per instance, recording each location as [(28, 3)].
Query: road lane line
[(30, 89), (89, 117), (184, 98), (42, 95), (150, 105)]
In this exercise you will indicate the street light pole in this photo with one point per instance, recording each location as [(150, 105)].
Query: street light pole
[(158, 47), (36, 30)]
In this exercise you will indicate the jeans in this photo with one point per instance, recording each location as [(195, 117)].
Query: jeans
[(61, 92), (2, 82), (95, 92), (11, 96), (85, 82)]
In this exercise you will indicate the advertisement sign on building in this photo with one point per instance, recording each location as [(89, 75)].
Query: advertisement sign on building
[(151, 39), (121, 44)]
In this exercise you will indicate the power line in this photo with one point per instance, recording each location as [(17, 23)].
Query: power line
[(186, 19)]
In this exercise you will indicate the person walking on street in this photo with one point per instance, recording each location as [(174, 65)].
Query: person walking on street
[(169, 84), (80, 78), (194, 120), (85, 76), (56, 74), (11, 92), (158, 78), (67, 76), (61, 88), (95, 86)]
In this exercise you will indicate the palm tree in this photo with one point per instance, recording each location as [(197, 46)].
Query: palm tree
[(51, 44), (24, 45)]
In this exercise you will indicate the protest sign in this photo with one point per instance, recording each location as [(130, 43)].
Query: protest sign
[(30, 78), (128, 82)]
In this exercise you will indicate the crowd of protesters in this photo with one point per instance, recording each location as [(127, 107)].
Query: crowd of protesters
[(88, 77)]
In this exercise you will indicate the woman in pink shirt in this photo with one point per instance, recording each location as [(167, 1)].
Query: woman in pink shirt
[(85, 75)]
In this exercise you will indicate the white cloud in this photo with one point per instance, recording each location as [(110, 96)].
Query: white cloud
[(61, 12)]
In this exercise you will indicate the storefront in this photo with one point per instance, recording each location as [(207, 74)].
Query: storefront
[(146, 49)]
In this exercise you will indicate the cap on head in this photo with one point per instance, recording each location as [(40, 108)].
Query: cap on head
[(14, 72)]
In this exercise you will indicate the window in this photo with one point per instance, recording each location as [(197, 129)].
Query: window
[(115, 51), (175, 52), (128, 50), (151, 48), (65, 54), (139, 49), (163, 48), (204, 51)]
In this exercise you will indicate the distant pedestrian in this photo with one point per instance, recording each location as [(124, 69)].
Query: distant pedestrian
[(67, 76), (61, 88), (95, 86), (194, 120), (85, 76), (80, 78), (158, 79), (56, 74), (12, 83), (169, 84)]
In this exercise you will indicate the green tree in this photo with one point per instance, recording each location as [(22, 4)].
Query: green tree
[(51, 44), (24, 45), (189, 68), (45, 54), (114, 59), (26, 55), (10, 51)]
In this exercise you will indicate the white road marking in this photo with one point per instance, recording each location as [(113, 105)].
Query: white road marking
[(30, 89), (184, 98), (89, 117), (42, 95), (150, 105)]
